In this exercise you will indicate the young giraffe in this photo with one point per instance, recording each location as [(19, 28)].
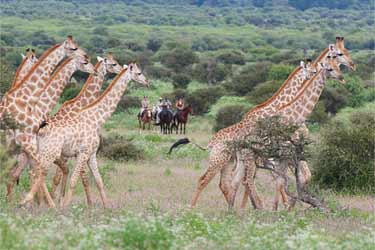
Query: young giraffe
[(47, 101), (296, 111), (88, 94), (79, 135), (28, 61)]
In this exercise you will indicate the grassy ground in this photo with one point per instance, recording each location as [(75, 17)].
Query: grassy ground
[(150, 208)]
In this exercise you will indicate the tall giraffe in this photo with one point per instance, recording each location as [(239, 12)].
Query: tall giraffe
[(297, 111), (28, 61), (220, 154), (342, 57), (88, 94), (47, 100), (79, 135)]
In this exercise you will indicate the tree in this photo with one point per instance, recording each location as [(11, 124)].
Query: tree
[(154, 44), (179, 58), (273, 138)]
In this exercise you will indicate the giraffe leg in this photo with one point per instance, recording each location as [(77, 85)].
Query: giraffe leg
[(56, 181), (217, 161), (86, 186), (250, 183), (225, 184), (239, 173), (93, 164), (81, 163), (15, 173), (245, 198)]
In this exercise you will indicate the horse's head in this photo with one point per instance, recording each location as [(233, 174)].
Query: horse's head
[(189, 109)]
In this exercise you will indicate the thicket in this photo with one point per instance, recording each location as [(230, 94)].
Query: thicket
[(120, 149), (345, 157)]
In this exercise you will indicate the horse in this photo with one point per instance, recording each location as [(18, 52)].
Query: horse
[(166, 118), (181, 118), (145, 118)]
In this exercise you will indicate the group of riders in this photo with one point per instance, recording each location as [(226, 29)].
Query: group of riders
[(163, 104)]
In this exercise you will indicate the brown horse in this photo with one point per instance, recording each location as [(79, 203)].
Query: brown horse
[(181, 118), (145, 118)]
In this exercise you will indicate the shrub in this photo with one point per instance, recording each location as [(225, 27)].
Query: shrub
[(201, 99), (179, 58), (181, 80), (319, 115), (264, 91), (279, 72), (69, 93), (244, 82), (345, 158), (233, 57), (159, 72), (211, 71), (154, 44), (5, 78), (229, 115), (127, 102), (119, 149)]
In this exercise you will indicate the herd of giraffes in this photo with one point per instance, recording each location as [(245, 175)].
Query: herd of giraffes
[(74, 130)]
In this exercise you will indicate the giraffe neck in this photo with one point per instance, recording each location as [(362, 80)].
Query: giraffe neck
[(32, 84), (301, 107), (54, 88), (22, 71), (100, 110), (88, 94)]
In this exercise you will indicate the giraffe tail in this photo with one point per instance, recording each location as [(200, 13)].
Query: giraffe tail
[(183, 141)]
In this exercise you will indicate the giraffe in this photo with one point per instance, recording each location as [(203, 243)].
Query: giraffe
[(28, 61), (20, 99), (297, 110), (79, 136), (342, 57), (47, 100), (88, 94), (220, 154)]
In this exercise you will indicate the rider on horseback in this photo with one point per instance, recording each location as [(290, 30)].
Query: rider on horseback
[(180, 105), (145, 105)]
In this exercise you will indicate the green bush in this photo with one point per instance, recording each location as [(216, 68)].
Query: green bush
[(120, 149), (345, 158), (211, 71), (127, 102), (181, 80), (250, 76), (264, 91), (229, 115), (279, 72), (233, 57), (319, 114), (202, 99), (69, 93)]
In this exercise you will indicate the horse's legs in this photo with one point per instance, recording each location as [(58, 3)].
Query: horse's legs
[(184, 127)]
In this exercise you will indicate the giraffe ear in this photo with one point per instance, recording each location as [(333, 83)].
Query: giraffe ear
[(100, 59), (23, 56), (302, 64), (331, 47), (125, 66)]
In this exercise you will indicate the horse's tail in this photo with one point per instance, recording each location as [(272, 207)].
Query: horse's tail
[(184, 141)]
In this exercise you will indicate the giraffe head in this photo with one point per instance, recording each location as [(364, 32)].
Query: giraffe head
[(308, 69), (136, 74), (29, 57), (110, 64), (83, 64), (331, 68), (71, 48), (343, 55)]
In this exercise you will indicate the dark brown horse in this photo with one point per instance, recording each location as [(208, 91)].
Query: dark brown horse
[(181, 118), (145, 118)]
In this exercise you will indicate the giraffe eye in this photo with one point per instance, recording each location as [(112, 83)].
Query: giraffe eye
[(328, 56), (330, 70), (114, 64), (334, 56), (139, 74), (73, 49), (340, 54)]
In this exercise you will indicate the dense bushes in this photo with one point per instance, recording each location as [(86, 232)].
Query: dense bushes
[(345, 159), (202, 99), (69, 93), (119, 149), (127, 102), (229, 115)]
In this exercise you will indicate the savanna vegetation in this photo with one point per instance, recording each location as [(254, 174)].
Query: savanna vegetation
[(224, 57)]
